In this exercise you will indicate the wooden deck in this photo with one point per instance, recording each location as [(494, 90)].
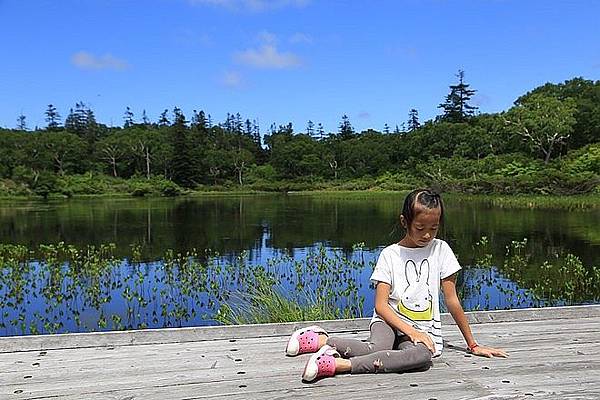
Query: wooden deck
[(554, 354)]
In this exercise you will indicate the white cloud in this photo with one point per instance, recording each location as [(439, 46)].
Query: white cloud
[(252, 5), (85, 60), (301, 38), (189, 37), (268, 57), (267, 37), (232, 79)]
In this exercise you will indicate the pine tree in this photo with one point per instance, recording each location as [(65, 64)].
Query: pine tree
[(456, 106), (413, 120), (310, 128), (199, 120), (202, 121), (237, 123), (386, 129), (52, 118), (248, 128), (128, 118), (21, 123), (76, 121), (273, 129), (91, 130), (164, 119), (256, 133), (182, 161), (70, 121), (397, 130), (320, 131), (287, 129), (145, 119), (346, 131)]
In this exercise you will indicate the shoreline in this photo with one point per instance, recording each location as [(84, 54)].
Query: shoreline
[(577, 201)]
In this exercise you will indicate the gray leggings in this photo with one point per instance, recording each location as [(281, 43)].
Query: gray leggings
[(383, 352)]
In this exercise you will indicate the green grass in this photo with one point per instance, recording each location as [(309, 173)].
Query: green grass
[(532, 201), (266, 303)]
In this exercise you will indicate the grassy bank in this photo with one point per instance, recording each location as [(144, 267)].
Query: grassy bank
[(108, 187)]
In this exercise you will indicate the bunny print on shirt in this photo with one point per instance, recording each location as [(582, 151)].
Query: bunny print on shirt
[(416, 300)]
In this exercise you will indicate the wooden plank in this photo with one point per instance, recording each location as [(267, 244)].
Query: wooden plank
[(179, 335), (550, 358)]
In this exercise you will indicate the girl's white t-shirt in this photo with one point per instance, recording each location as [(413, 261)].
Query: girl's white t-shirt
[(414, 275)]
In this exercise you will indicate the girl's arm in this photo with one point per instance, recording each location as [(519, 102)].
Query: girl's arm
[(456, 310), (383, 309)]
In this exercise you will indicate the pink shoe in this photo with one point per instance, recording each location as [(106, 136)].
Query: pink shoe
[(304, 340), (320, 364)]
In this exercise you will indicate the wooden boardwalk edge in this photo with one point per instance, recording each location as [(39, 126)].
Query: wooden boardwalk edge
[(196, 334)]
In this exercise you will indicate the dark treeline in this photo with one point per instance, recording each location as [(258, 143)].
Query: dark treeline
[(548, 142)]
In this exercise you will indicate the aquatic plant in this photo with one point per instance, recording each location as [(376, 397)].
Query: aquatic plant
[(61, 288)]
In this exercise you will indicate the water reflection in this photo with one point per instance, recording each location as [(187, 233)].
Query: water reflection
[(139, 287)]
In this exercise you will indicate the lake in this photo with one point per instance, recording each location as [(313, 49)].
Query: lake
[(144, 284)]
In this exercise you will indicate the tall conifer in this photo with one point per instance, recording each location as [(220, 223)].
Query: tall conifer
[(456, 105)]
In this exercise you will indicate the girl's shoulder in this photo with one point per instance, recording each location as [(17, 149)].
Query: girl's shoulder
[(436, 245), (441, 245)]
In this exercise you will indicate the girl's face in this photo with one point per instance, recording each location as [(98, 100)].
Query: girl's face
[(424, 226)]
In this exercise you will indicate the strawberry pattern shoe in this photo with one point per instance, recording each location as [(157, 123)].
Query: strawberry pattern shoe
[(304, 340), (321, 364)]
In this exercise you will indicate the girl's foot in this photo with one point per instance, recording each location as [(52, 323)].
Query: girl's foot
[(305, 340), (320, 364)]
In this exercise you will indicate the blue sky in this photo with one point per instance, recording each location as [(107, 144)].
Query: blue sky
[(286, 60)]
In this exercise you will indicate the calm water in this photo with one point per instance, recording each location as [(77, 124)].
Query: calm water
[(252, 230)]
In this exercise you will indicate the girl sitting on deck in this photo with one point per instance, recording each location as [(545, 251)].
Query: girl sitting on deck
[(405, 331)]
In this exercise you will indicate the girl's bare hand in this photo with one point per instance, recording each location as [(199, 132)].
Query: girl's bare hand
[(422, 337), (489, 352)]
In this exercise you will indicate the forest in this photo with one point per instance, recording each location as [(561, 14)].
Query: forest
[(548, 142)]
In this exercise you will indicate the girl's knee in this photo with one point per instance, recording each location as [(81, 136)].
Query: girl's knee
[(342, 348), (378, 346), (424, 356)]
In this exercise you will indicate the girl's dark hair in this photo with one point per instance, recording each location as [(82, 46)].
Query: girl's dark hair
[(429, 198)]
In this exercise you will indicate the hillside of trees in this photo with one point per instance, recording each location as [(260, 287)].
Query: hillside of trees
[(547, 143)]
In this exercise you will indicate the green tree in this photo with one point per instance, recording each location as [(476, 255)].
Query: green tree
[(52, 118), (586, 94), (182, 160), (163, 120), (65, 149), (295, 156), (112, 150), (242, 159), (544, 122), (128, 118), (413, 120), (256, 134), (145, 119), (346, 130), (77, 120), (12, 151), (21, 123), (320, 131), (456, 105), (199, 120), (310, 128)]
